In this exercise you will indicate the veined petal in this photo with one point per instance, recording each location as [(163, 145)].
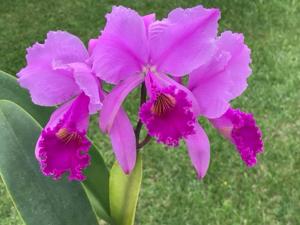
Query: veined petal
[(199, 150), (89, 84), (183, 41), (122, 48), (63, 146), (114, 100), (123, 141), (47, 75), (224, 77)]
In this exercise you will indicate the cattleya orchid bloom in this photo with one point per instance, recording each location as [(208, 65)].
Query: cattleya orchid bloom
[(241, 129), (133, 49), (58, 73)]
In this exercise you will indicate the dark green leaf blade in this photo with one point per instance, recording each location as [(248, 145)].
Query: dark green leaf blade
[(97, 185), (124, 191), (39, 199)]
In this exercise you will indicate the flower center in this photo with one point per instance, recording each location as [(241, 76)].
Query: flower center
[(163, 103), (67, 136), (149, 68)]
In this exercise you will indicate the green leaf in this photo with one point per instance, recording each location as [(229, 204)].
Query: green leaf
[(10, 90), (39, 199), (96, 184), (124, 191)]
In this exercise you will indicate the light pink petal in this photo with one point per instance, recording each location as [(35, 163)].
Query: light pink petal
[(89, 84), (47, 76), (60, 48), (114, 100), (199, 150), (123, 141), (224, 78), (122, 48), (183, 41), (48, 87)]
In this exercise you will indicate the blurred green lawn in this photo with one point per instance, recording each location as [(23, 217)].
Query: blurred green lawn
[(230, 193)]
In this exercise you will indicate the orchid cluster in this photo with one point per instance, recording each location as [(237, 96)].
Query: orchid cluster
[(184, 69)]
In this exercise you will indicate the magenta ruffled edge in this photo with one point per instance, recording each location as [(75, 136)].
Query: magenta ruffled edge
[(81, 154), (241, 120)]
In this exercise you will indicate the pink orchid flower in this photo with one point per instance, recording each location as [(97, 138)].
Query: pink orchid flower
[(59, 72), (133, 49)]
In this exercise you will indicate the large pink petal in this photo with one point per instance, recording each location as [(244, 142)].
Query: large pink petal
[(122, 48), (183, 41), (114, 100), (199, 150), (60, 48), (224, 78), (123, 141), (48, 87), (47, 76), (89, 84)]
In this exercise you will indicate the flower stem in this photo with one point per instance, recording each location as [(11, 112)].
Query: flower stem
[(144, 142), (139, 124)]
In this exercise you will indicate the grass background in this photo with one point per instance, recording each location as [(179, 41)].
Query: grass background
[(230, 193)]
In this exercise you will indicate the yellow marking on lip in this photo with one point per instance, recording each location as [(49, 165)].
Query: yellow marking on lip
[(67, 136), (163, 104)]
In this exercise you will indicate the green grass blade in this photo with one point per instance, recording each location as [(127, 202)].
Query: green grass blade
[(124, 191), (39, 199)]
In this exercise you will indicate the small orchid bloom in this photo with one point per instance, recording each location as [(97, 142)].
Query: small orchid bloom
[(133, 49), (58, 72), (241, 129)]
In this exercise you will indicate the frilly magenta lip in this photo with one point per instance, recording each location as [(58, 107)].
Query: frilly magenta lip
[(241, 129), (168, 116), (63, 146)]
